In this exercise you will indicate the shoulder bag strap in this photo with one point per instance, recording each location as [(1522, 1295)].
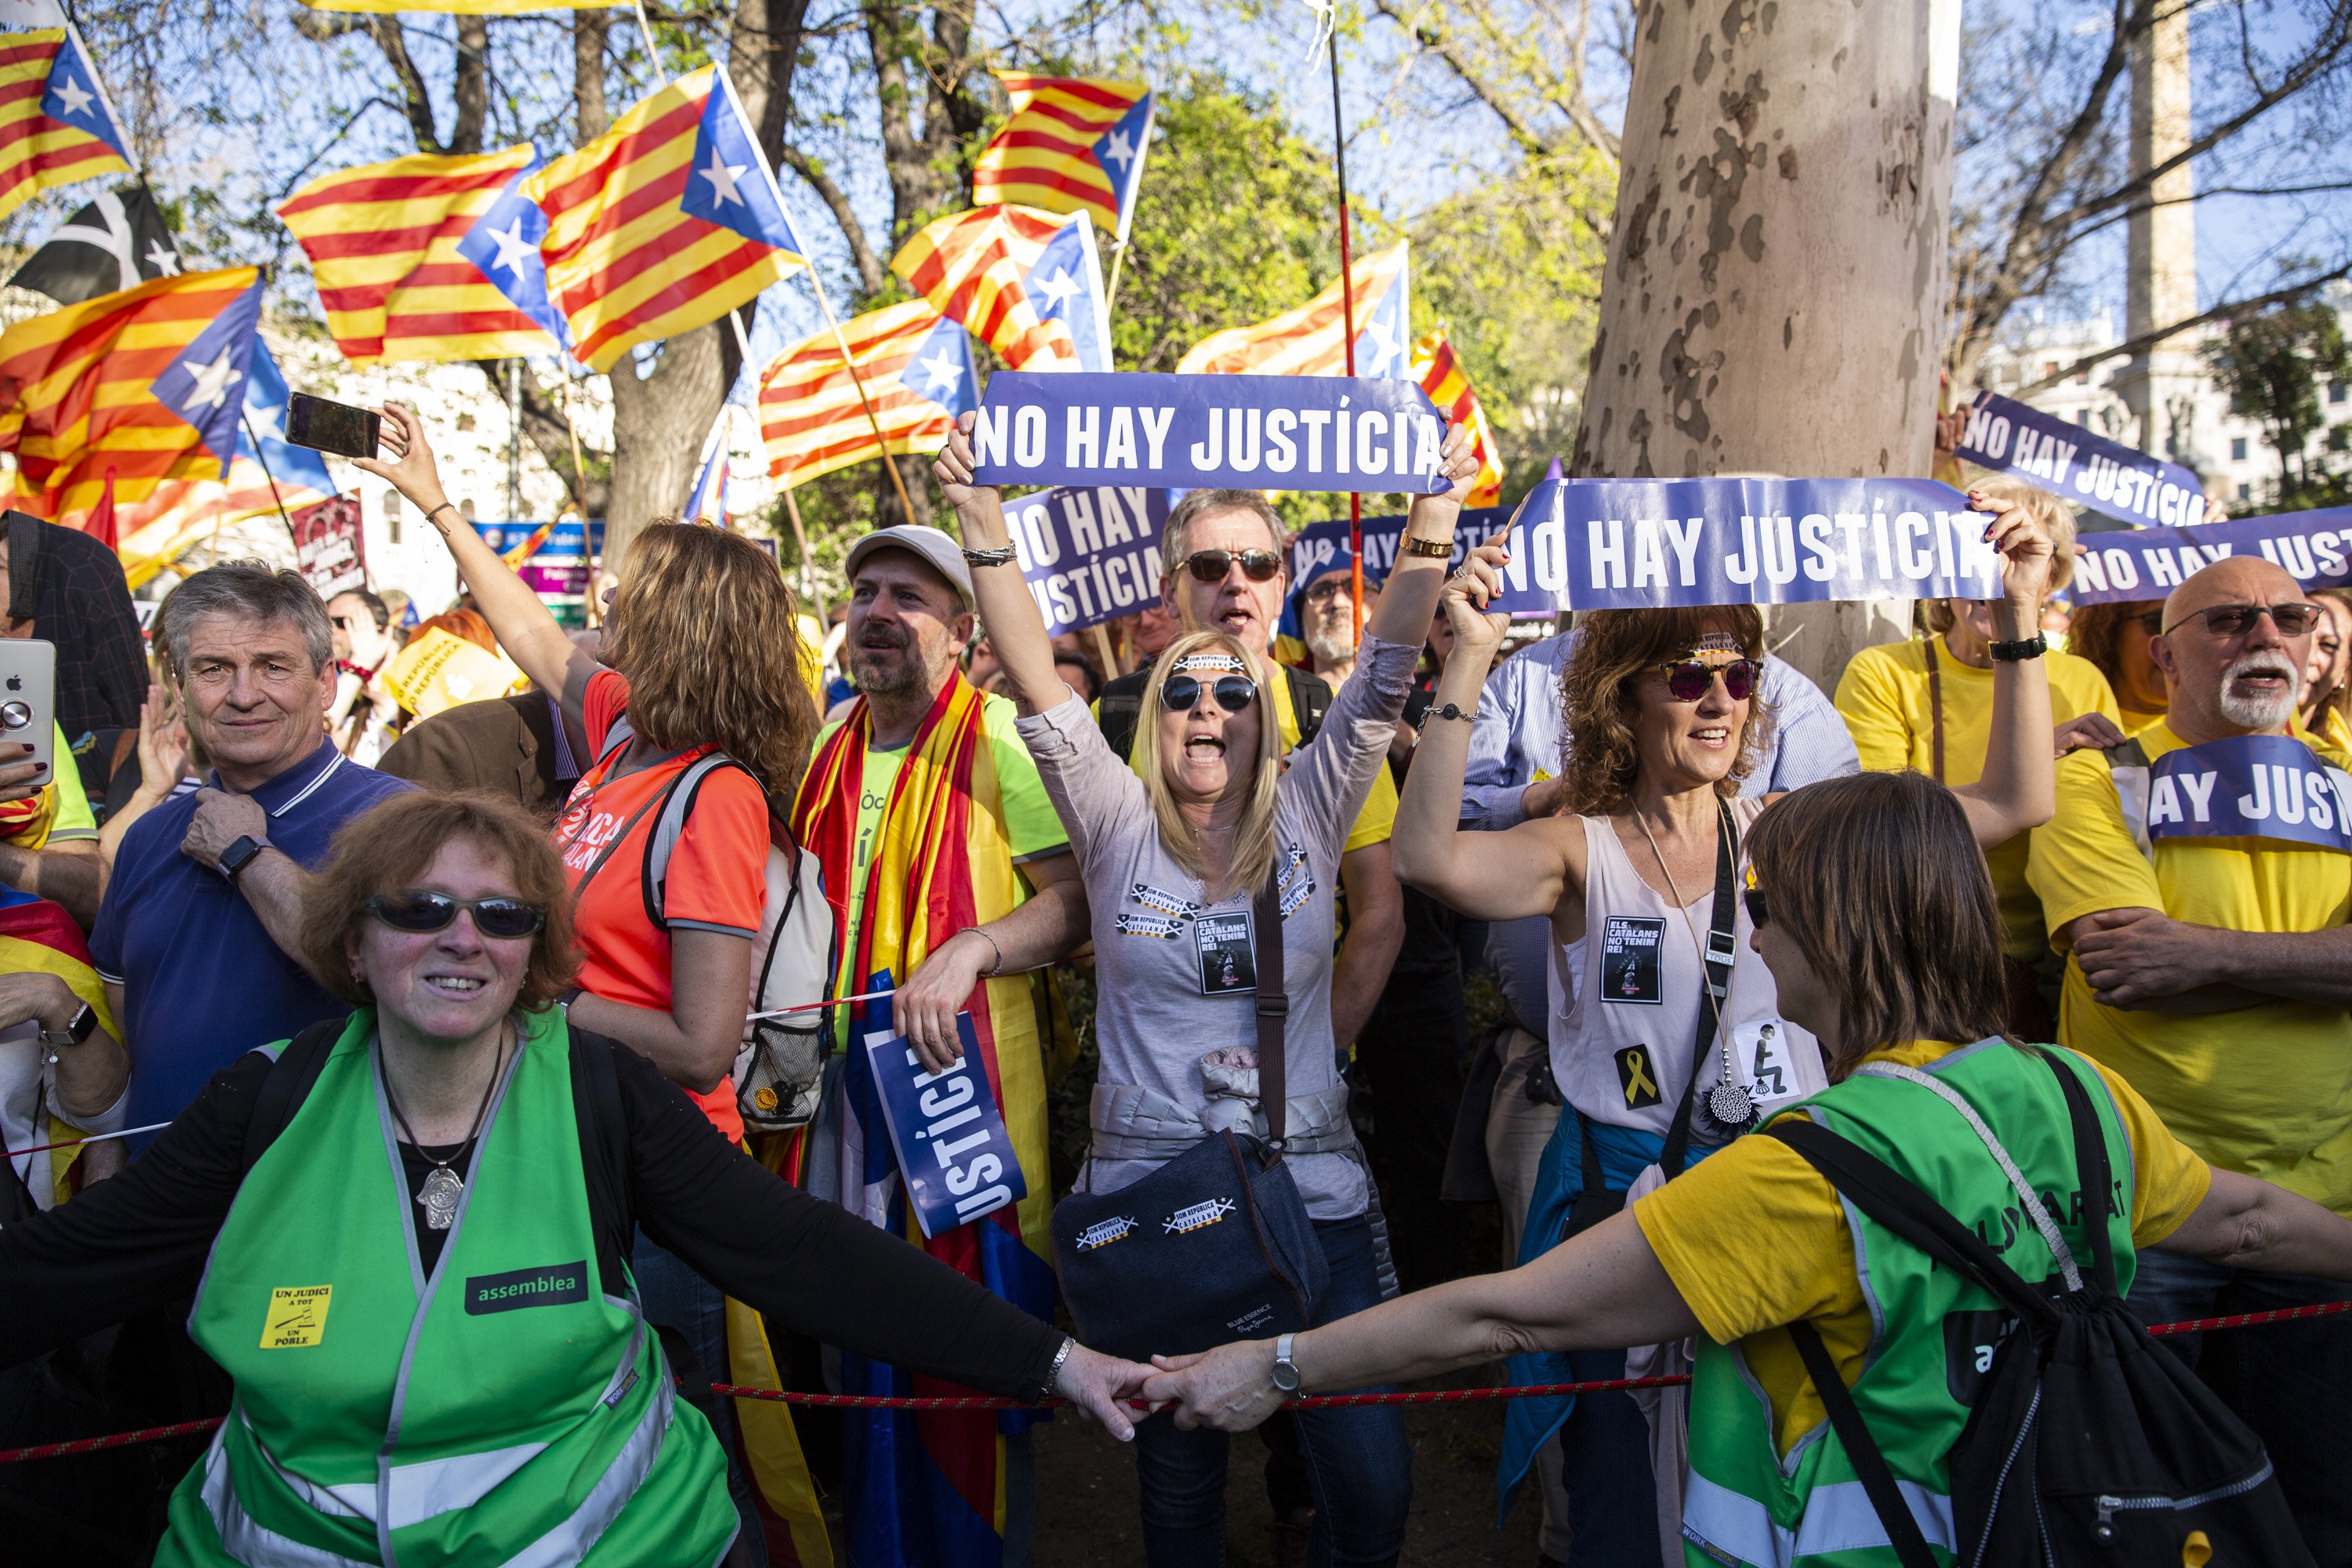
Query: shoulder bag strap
[(2091, 1169), (580, 888), (286, 1085), (1862, 1451), (1722, 950), (1273, 1013), (1310, 699), (1936, 704)]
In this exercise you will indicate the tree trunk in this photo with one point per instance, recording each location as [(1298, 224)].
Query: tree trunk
[(1776, 273)]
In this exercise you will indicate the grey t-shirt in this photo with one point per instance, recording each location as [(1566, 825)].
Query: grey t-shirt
[(1152, 1022)]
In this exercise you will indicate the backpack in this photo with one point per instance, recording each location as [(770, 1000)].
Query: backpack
[(1121, 707), (2088, 1443)]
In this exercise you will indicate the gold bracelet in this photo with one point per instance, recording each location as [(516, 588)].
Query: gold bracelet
[(1435, 549)]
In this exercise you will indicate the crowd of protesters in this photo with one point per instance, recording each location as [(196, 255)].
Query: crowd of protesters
[(436, 1123)]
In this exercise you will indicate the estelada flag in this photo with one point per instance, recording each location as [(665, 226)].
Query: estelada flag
[(38, 937), (665, 223), (915, 371), (971, 267), (146, 381), (428, 258), (1310, 341), (1073, 144), (1439, 370), (56, 126)]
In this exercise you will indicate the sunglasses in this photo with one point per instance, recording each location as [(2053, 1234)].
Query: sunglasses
[(1210, 565), (1179, 693), (1754, 898), (1688, 678), (498, 918), (2237, 620)]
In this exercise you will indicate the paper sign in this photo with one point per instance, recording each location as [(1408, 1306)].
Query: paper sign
[(954, 1154), (328, 546), (2076, 466), (2315, 547), (1089, 555), (1320, 541), (2249, 786), (1200, 432)]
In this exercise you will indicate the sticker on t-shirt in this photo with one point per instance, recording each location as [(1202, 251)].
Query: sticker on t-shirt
[(1761, 1051), (1296, 884), (1630, 947), (297, 1318), (1167, 903), (1148, 925), (1637, 1075), (1228, 952)]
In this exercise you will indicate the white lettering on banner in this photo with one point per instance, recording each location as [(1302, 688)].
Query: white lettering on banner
[(1315, 419), (1155, 432), (1081, 513), (1029, 436), (1821, 561), (1917, 563), (1281, 451), (1606, 542), (1371, 429), (1119, 447), (1241, 437), (1649, 554), (1081, 446), (2199, 789), (1342, 433), (948, 1106), (1682, 537), (989, 428)]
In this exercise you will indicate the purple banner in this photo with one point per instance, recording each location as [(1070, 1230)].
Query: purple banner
[(2070, 462), (2315, 547)]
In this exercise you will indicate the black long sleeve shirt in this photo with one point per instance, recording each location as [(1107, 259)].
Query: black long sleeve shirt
[(142, 1237)]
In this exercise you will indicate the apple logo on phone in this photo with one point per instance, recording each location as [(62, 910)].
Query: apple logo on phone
[(15, 683)]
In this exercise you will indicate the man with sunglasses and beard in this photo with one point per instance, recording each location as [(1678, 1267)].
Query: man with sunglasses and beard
[(2203, 913)]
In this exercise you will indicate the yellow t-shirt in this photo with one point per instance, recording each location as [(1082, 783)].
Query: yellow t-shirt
[(1755, 1237), (2265, 1089), (1884, 698), (2134, 721)]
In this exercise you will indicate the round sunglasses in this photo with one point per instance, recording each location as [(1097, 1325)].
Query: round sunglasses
[(420, 913), (1688, 678), (1180, 693), (1210, 565)]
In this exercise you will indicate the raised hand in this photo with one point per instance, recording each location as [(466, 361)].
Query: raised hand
[(2027, 553), (952, 467), (1468, 593), (411, 467)]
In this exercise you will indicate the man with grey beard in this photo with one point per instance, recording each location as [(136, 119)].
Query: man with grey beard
[(2197, 877)]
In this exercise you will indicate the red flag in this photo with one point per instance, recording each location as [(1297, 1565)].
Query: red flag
[(100, 524)]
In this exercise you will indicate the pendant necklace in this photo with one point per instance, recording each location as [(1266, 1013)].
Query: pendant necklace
[(442, 1188)]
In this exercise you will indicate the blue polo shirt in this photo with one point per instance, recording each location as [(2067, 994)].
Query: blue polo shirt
[(202, 982)]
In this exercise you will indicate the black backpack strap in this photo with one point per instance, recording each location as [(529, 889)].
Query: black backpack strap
[(1119, 709), (1862, 1451), (601, 1117), (1310, 699), (286, 1085), (2091, 1169), (1721, 953)]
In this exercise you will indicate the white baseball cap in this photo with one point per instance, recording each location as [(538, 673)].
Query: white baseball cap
[(932, 544)]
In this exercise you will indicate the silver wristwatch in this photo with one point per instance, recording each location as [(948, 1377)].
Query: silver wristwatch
[(1285, 1371)]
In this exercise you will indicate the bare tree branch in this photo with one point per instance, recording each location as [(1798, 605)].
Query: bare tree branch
[(872, 276), (2145, 340)]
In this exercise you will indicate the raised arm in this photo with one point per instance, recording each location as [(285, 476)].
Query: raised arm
[(1015, 630), (1409, 597), (1496, 875), (2018, 787), (525, 626)]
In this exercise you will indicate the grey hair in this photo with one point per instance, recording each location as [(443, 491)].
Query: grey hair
[(1172, 537), (249, 590)]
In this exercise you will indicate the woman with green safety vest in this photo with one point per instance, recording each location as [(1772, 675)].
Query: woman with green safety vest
[(1874, 912), (407, 1233)]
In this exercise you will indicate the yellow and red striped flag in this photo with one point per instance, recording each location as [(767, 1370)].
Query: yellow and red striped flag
[(56, 126), (1439, 370), (1309, 341), (465, 7), (969, 266), (145, 383), (1073, 144), (393, 248), (667, 222), (916, 371)]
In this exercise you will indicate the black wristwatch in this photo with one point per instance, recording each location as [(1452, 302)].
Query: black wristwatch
[(79, 1028), (2033, 646), (239, 855)]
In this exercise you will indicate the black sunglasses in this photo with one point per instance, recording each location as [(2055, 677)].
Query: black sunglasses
[(500, 918), (1210, 565), (1755, 900), (1688, 678), (1180, 693), (2237, 620)]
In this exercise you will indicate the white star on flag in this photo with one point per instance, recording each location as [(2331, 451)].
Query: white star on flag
[(212, 382), (1059, 290), (514, 250), (1384, 344), (1118, 149), (76, 97), (722, 176), (940, 372), (163, 259)]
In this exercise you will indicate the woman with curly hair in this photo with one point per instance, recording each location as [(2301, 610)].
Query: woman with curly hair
[(2114, 638), (1667, 1039)]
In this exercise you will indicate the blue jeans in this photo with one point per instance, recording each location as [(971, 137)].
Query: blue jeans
[(2290, 1381), (1359, 1464), (676, 1297)]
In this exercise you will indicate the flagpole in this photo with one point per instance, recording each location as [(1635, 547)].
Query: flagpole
[(1348, 338), (261, 457), (1117, 259)]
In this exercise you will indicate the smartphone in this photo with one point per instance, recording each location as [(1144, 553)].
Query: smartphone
[(28, 700), (328, 426)]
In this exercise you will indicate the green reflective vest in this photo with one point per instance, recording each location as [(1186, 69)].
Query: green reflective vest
[(1932, 1335), (502, 1409)]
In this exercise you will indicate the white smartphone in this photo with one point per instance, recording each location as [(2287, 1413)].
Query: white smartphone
[(28, 698)]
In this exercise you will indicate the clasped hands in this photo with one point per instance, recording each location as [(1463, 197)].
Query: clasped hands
[(1230, 1388)]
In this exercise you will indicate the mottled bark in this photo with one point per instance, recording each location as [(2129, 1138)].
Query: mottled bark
[(1776, 273)]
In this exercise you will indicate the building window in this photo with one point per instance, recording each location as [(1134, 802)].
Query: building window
[(2245, 492), (2083, 417), (391, 506), (2238, 449), (2049, 367), (2337, 391)]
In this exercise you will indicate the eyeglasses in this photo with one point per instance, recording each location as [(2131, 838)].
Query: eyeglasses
[(2237, 620), (1688, 678), (421, 912), (1754, 898), (1180, 693), (1210, 565)]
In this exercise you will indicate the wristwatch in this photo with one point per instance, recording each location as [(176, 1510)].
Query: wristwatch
[(2033, 646), (239, 855), (1285, 1371), (79, 1028)]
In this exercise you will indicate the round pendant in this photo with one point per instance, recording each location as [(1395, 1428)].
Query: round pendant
[(1729, 1103), (440, 1195)]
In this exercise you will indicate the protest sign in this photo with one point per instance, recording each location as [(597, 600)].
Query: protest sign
[(1609, 545), (330, 549), (2076, 466), (953, 1151), (1204, 432), (2315, 547), (2249, 786), (1089, 555), (558, 565), (1320, 541)]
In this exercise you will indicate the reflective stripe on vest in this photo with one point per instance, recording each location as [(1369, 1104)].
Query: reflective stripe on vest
[(1838, 1517)]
